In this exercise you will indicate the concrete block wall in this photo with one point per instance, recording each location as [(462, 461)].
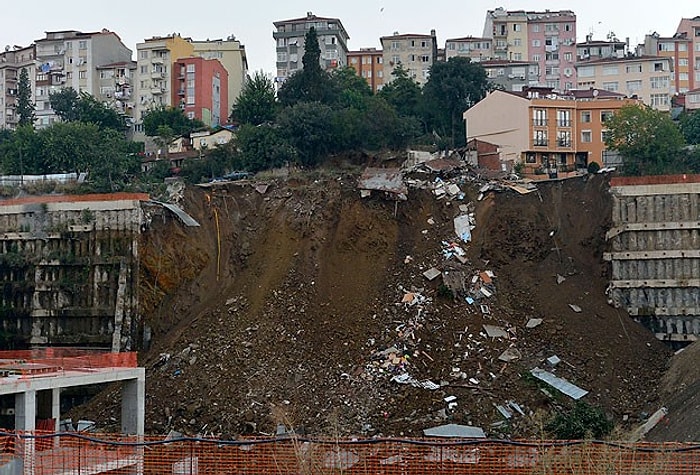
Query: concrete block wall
[(654, 248), (69, 271)]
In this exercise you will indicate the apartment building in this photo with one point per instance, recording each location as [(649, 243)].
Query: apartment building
[(512, 75), (550, 133), (289, 36), (12, 61), (71, 58), (477, 49), (201, 86), (679, 49), (647, 77), (592, 49), (415, 52), (547, 38), (116, 86), (155, 60), (368, 63), (232, 55), (690, 28)]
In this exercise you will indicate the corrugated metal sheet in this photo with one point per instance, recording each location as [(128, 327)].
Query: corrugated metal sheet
[(558, 383), (389, 180)]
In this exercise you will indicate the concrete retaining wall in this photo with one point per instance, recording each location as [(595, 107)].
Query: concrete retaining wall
[(69, 270), (655, 253)]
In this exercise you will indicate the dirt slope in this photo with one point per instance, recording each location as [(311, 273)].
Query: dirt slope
[(286, 307)]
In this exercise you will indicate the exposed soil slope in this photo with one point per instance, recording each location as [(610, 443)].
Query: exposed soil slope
[(286, 307)]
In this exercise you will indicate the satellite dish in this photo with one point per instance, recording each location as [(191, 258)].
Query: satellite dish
[(596, 92)]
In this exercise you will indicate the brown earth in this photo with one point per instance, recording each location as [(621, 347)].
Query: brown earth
[(278, 308)]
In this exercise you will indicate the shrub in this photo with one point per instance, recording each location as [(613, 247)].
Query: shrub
[(583, 421)]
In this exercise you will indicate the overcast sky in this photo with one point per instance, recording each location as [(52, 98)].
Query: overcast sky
[(365, 20)]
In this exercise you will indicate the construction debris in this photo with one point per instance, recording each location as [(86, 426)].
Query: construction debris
[(558, 383), (455, 431), (533, 322)]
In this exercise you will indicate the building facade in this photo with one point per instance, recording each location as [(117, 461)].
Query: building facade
[(201, 86), (289, 36), (689, 28), (368, 63), (232, 55), (116, 86), (12, 61), (71, 59), (415, 52), (679, 50), (155, 76), (647, 77), (550, 133), (547, 38), (477, 49), (512, 75)]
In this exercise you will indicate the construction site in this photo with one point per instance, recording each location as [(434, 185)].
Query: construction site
[(378, 320)]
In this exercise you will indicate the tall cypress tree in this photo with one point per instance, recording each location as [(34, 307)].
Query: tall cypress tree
[(312, 83), (25, 106)]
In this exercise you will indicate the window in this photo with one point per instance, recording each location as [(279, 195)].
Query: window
[(517, 56), (530, 157), (540, 138), (660, 66), (380, 74), (564, 139), (586, 136), (586, 72), (394, 45), (107, 74), (82, 44), (536, 43), (666, 47), (659, 82), (423, 44), (633, 68), (610, 86), (353, 60), (82, 75), (658, 100), (539, 117), (143, 54), (563, 118), (451, 46), (369, 74), (682, 76), (190, 115), (517, 42), (281, 57), (412, 58), (517, 27), (683, 62), (634, 85), (610, 70), (190, 100), (568, 27), (551, 56), (380, 60), (190, 68), (535, 28), (536, 57), (550, 27), (568, 57), (396, 59), (605, 116), (144, 69), (682, 47)]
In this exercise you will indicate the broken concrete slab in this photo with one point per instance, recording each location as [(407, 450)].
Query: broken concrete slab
[(504, 411), (455, 431), (655, 418), (533, 322), (388, 180), (405, 378), (495, 332), (431, 273), (560, 279), (554, 360), (463, 227), (510, 354), (575, 308), (560, 384)]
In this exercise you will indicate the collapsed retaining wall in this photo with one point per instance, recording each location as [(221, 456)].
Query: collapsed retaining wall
[(69, 270), (655, 253)]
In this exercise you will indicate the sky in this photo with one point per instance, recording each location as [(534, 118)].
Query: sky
[(365, 20)]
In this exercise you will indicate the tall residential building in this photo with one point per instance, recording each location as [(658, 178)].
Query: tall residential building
[(12, 61), (71, 59), (368, 63), (116, 86), (646, 77), (231, 54), (477, 49), (290, 34), (592, 49), (548, 38), (202, 88), (155, 62), (512, 75), (690, 29), (679, 49), (415, 52)]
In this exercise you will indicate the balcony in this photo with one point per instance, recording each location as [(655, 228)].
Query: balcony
[(539, 122), (157, 60), (156, 91), (540, 143), (157, 74), (181, 92), (566, 143)]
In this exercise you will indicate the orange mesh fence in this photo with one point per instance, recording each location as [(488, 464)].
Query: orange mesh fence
[(80, 453), (49, 360)]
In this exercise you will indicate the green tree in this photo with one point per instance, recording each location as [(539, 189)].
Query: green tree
[(690, 126), (583, 421), (262, 147), (256, 103), (73, 107), (311, 84), (648, 140), (453, 86), (349, 89), (308, 127), (402, 93), (173, 117), (25, 106)]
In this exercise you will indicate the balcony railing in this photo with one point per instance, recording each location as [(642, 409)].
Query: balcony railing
[(539, 122), (540, 142)]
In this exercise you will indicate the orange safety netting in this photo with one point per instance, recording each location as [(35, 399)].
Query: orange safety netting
[(81, 453), (47, 360)]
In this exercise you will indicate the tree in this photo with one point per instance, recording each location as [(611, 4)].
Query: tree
[(73, 107), (690, 126), (349, 89), (583, 421), (311, 84), (256, 104), (25, 106), (308, 126), (262, 147), (648, 140), (402, 93), (453, 87), (173, 117)]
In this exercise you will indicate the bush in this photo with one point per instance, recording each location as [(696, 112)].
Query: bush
[(593, 167), (582, 422)]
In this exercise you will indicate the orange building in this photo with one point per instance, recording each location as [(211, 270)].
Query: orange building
[(368, 63), (550, 133)]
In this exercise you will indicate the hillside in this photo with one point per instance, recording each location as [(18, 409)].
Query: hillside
[(317, 299)]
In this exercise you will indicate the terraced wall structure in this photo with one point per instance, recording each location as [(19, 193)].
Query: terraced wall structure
[(654, 247), (69, 270)]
